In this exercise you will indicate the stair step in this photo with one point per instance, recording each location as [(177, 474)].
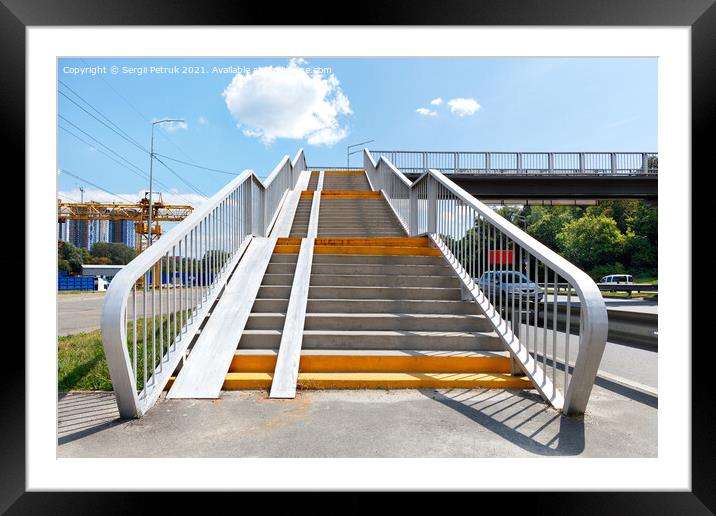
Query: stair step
[(373, 269), (386, 339), (356, 292), (363, 306), (365, 380), (376, 250), (374, 321), (404, 260), (380, 361), (363, 280)]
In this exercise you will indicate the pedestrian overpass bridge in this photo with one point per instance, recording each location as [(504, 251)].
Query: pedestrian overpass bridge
[(350, 279), (539, 177)]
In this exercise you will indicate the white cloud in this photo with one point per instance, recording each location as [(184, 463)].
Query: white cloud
[(463, 107), (426, 112), (171, 127), (285, 102), (203, 120), (295, 61), (437, 101)]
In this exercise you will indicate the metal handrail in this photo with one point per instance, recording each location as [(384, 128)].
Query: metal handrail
[(478, 243), (186, 270), (526, 163)]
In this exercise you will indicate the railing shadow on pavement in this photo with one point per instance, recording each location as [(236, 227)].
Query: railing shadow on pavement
[(520, 417), (626, 391), (80, 414)]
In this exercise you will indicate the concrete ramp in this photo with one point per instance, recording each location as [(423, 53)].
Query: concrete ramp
[(203, 373)]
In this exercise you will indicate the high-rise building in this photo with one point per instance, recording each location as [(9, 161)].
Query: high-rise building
[(121, 231)]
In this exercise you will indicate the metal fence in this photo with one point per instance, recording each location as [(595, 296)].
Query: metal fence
[(526, 163), (514, 278), (147, 323)]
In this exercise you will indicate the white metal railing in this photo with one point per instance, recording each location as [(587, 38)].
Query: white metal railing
[(155, 305), (514, 278), (526, 163)]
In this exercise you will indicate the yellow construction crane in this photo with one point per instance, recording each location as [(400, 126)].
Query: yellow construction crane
[(139, 213)]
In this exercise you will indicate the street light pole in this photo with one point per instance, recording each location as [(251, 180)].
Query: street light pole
[(348, 151), (151, 166)]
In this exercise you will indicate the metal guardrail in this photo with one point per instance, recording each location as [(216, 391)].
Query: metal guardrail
[(171, 286), (628, 288), (480, 243), (526, 163)]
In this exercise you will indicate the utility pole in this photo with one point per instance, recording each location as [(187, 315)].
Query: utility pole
[(82, 194), (348, 151), (151, 163)]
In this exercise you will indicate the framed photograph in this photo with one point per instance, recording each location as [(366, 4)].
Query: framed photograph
[(417, 253)]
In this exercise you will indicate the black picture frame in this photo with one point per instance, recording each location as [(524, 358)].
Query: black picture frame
[(700, 15)]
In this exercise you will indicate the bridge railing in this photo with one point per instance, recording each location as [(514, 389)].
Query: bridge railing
[(526, 163), (154, 306), (515, 279)]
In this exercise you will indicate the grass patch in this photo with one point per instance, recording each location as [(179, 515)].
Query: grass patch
[(81, 362), (634, 295)]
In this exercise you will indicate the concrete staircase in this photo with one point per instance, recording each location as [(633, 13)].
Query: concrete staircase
[(299, 229), (383, 310)]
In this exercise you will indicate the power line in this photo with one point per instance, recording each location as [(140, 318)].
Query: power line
[(67, 197), (180, 177), (128, 138), (102, 144), (65, 171), (141, 173), (197, 166), (161, 130), (127, 135)]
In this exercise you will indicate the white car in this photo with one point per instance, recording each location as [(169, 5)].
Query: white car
[(617, 279)]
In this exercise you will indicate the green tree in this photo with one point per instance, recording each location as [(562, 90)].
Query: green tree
[(591, 240), (74, 256), (545, 223), (63, 265), (117, 252)]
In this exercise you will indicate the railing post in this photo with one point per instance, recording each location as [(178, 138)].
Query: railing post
[(550, 161), (432, 205), (518, 162), (263, 216), (413, 212), (456, 162), (581, 163), (644, 163), (425, 161), (613, 157), (248, 207), (488, 165)]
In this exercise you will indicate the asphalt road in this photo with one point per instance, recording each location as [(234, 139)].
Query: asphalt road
[(78, 313)]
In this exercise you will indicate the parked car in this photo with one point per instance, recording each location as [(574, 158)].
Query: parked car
[(510, 283), (618, 279)]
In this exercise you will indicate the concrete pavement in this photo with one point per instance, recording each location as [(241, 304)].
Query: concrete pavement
[(401, 423)]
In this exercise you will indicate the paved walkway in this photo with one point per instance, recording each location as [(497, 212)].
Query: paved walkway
[(404, 423)]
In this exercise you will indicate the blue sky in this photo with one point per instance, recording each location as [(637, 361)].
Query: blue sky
[(497, 104)]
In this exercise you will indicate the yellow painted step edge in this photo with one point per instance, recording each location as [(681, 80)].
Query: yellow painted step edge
[(235, 381), (375, 363), (376, 251)]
